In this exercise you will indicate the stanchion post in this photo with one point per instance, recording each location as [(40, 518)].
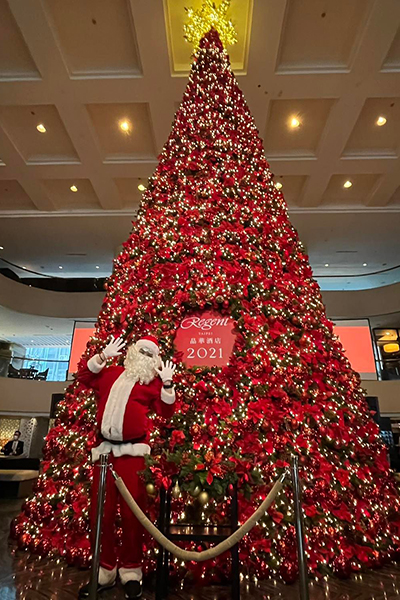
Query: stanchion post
[(298, 515), (101, 492)]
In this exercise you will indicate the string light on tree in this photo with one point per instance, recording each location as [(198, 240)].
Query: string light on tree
[(213, 233)]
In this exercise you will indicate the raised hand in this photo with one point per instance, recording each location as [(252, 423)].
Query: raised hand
[(167, 370), (114, 347)]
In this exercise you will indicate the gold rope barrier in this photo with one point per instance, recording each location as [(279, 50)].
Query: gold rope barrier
[(205, 554)]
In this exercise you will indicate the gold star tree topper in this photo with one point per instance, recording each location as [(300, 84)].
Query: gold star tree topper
[(209, 16)]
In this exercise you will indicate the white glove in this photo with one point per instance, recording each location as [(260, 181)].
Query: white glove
[(114, 347), (167, 370)]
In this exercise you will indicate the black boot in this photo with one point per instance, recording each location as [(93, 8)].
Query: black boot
[(84, 591), (133, 589)]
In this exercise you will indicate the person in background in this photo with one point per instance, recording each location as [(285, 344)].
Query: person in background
[(14, 447)]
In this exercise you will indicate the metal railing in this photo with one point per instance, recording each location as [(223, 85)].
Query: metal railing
[(38, 369), (298, 512)]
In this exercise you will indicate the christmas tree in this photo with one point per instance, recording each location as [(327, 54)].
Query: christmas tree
[(213, 234)]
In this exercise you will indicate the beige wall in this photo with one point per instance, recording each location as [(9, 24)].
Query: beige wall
[(363, 303), (34, 301), (388, 393), (27, 397)]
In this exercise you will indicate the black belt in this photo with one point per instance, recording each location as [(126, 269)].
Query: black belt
[(119, 442)]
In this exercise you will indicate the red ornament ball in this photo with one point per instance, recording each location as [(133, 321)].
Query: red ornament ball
[(24, 540), (45, 510), (33, 545), (79, 525), (82, 558), (70, 555), (44, 547), (342, 567), (16, 529), (288, 571)]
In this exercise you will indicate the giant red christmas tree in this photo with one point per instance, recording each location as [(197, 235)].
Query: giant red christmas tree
[(213, 233)]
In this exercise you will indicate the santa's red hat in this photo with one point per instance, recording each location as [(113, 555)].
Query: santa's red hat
[(150, 342)]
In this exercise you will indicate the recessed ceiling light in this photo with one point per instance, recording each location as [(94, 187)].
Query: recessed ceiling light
[(125, 126), (97, 267), (327, 264), (141, 187), (41, 128), (24, 267), (294, 122), (73, 188), (60, 267), (1, 247), (278, 185), (347, 184), (365, 264), (381, 121)]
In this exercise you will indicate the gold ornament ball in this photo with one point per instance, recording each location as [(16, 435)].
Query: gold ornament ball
[(196, 491), (176, 492), (150, 489), (203, 498)]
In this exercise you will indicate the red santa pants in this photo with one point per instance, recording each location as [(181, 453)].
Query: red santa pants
[(130, 554)]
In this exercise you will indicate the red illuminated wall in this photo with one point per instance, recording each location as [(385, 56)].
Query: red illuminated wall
[(356, 339), (82, 333), (354, 335)]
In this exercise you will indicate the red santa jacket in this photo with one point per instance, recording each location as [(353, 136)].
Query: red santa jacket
[(123, 406)]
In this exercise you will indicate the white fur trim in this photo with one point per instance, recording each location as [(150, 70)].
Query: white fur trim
[(113, 416), (148, 344), (168, 397), (106, 576), (94, 366), (127, 449), (126, 575)]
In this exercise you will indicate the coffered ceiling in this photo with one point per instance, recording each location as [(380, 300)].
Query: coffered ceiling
[(84, 69)]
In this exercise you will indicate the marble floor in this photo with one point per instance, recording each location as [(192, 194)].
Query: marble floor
[(30, 578)]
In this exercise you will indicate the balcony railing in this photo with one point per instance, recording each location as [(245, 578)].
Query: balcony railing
[(38, 369)]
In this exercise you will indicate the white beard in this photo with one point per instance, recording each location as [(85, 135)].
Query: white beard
[(139, 367)]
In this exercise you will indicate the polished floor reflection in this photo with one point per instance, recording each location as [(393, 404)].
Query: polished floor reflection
[(23, 577)]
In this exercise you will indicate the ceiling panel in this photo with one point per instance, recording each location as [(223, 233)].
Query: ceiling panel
[(77, 244), (16, 62), (368, 138), (117, 145), (128, 189), (21, 329), (320, 36), (395, 199), (14, 197), (52, 146), (282, 140), (292, 186), (81, 196), (392, 60), (357, 195), (96, 37)]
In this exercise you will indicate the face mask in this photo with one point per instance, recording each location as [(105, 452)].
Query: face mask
[(146, 352)]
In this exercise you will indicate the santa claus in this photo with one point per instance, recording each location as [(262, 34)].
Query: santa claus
[(126, 394)]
